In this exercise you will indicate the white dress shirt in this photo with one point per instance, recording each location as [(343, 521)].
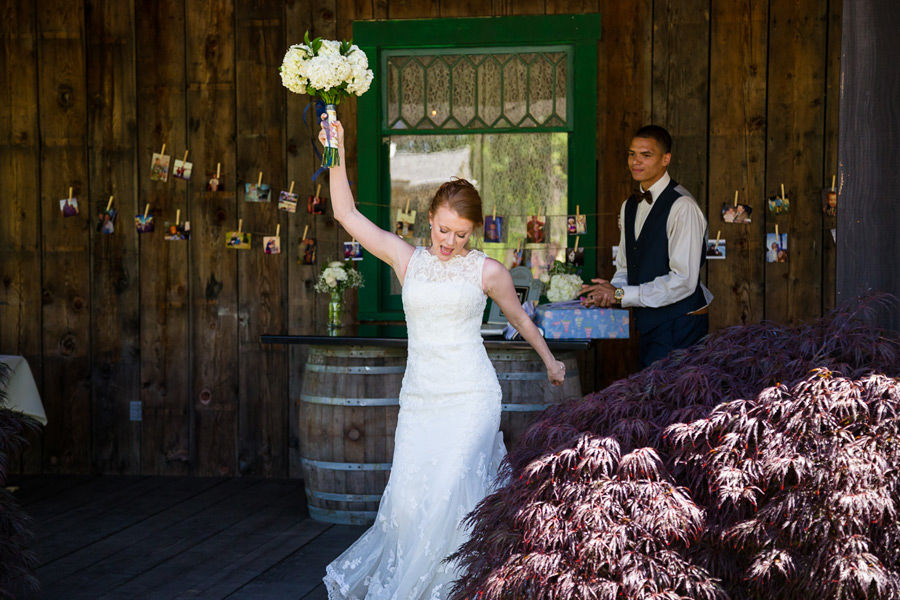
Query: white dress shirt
[(686, 229)]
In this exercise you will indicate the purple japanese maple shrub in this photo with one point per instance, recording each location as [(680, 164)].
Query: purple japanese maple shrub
[(760, 464), (17, 562)]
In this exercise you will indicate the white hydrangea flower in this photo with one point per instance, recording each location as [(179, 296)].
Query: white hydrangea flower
[(336, 263), (564, 287), (328, 71)]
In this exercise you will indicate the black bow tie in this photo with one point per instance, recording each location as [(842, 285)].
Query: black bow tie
[(646, 196)]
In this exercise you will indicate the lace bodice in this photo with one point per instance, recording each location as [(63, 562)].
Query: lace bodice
[(444, 303)]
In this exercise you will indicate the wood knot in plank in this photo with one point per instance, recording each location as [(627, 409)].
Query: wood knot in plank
[(67, 345), (77, 303), (213, 288), (212, 47), (65, 95), (354, 434), (205, 396)]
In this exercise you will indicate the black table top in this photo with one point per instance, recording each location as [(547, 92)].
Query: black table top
[(395, 336)]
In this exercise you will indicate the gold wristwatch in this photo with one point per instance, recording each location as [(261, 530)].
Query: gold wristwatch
[(618, 295)]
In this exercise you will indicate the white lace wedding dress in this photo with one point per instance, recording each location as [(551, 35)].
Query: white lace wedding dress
[(447, 447)]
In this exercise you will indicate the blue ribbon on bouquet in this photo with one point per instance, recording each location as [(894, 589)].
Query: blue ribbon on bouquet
[(313, 136), (320, 110)]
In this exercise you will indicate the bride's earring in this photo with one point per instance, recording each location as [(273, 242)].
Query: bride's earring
[(429, 226)]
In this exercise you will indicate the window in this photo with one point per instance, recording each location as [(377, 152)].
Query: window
[(497, 106)]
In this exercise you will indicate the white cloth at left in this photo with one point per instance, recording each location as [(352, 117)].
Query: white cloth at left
[(447, 447), (22, 390)]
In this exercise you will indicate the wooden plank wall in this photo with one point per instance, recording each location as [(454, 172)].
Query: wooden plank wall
[(89, 90)]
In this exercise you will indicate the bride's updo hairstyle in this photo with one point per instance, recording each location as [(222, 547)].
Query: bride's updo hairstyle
[(461, 197)]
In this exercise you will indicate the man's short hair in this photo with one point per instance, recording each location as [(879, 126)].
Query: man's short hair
[(655, 132)]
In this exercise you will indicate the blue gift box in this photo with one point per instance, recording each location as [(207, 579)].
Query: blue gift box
[(572, 321)]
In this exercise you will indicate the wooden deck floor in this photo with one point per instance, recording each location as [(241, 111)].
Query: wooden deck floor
[(159, 537)]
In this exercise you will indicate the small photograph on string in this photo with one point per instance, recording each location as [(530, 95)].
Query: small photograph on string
[(493, 229), (106, 221), (715, 249), (534, 229), (829, 202), (183, 168), (215, 180), (287, 201), (238, 240), (308, 251), (776, 248), (576, 224), (272, 244), (257, 192), (736, 213), (69, 206), (144, 223), (515, 257), (405, 224), (575, 256), (315, 205), (778, 205), (159, 166), (178, 232), (353, 250)]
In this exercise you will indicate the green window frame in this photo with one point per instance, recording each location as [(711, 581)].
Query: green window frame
[(578, 34)]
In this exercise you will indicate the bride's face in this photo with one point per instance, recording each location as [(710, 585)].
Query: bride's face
[(449, 232)]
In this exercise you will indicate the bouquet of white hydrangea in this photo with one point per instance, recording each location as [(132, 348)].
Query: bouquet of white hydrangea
[(337, 278), (330, 70), (565, 284)]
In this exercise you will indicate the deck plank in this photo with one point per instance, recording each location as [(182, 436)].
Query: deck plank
[(182, 499), (300, 573), (123, 537)]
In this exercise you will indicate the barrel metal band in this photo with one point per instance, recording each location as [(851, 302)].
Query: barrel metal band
[(343, 497), (524, 407), (522, 376), (349, 401), (355, 370), (341, 466), (342, 517)]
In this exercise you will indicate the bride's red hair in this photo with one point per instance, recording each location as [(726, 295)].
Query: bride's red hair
[(461, 197)]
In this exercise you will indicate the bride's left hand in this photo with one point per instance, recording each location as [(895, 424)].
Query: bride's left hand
[(557, 373)]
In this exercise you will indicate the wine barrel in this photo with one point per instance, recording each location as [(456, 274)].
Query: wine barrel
[(348, 410), (348, 413), (526, 389)]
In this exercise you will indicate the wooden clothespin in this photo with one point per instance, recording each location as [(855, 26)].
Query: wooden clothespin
[(305, 231), (833, 180), (576, 243), (240, 226), (783, 197), (109, 204), (278, 230), (577, 211), (163, 151), (718, 237), (735, 198), (407, 207), (184, 160), (777, 237), (291, 191), (70, 193), (259, 181), (146, 211), (178, 216), (318, 189), (540, 208), (494, 213), (218, 169)]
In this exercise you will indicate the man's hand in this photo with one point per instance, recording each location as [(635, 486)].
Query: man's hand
[(600, 294)]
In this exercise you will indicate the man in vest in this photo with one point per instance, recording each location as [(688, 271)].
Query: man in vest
[(661, 250)]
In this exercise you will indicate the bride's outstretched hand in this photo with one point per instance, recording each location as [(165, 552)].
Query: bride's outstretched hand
[(557, 373), (340, 130)]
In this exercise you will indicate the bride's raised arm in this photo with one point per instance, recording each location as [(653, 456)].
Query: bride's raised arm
[(383, 244)]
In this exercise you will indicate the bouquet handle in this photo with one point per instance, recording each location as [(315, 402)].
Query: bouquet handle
[(330, 157)]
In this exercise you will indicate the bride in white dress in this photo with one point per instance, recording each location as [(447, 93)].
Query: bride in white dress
[(447, 446)]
